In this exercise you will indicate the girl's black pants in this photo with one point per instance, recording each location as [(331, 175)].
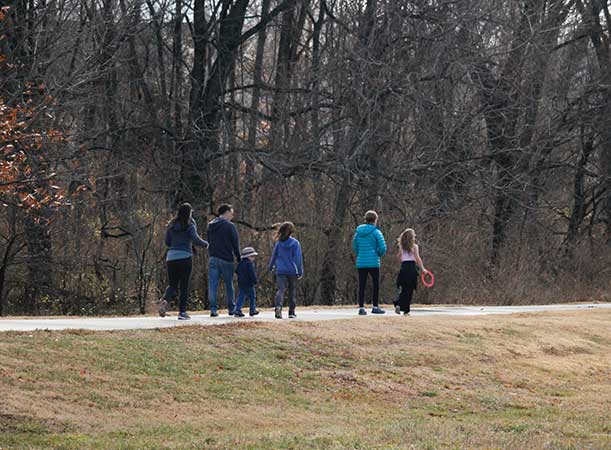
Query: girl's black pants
[(407, 283)]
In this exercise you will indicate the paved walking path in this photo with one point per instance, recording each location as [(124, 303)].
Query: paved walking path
[(140, 322)]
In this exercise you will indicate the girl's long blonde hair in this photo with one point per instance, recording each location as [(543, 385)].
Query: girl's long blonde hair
[(406, 240)]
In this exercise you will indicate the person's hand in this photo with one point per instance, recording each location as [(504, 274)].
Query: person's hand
[(300, 277)]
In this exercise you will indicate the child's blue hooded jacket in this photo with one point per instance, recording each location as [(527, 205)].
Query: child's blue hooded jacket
[(368, 245), (287, 258)]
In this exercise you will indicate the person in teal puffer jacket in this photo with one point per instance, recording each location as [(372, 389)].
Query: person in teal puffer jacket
[(369, 245)]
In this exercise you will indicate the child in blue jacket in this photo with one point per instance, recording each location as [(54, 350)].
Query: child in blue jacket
[(247, 280), (287, 263), (369, 246)]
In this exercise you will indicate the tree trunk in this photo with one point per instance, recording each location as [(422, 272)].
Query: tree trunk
[(579, 198), (501, 111), (316, 75), (207, 101), (40, 261), (601, 40), (328, 271), (247, 199), (160, 45), (7, 257)]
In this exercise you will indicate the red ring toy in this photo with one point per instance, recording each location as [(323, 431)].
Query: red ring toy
[(429, 283)]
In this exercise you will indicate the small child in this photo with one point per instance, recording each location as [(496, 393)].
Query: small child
[(247, 280)]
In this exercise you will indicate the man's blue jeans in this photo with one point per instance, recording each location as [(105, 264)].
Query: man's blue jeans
[(217, 269), (252, 296)]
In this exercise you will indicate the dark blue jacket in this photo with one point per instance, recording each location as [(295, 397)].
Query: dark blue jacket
[(178, 237), (223, 240), (247, 277), (287, 258)]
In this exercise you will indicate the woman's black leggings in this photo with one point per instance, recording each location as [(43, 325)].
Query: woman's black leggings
[(374, 272), (407, 283), (179, 273)]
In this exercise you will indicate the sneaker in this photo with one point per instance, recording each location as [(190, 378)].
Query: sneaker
[(362, 312), (214, 314), (278, 312), (238, 314), (397, 309), (292, 315), (377, 310), (231, 313), (184, 316), (406, 313), (163, 307), (253, 313)]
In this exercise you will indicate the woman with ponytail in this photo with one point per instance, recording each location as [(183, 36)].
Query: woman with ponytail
[(181, 235)]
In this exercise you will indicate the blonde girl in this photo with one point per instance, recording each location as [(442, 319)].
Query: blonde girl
[(407, 278)]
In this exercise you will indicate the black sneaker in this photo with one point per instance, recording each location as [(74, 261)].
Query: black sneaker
[(377, 310), (292, 315), (253, 313), (231, 313), (406, 313), (397, 309), (362, 312), (238, 314), (163, 307), (278, 312), (184, 316), (214, 314)]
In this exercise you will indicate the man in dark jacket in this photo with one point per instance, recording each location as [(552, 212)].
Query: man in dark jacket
[(224, 245)]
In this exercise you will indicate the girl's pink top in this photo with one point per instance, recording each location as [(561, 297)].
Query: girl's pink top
[(407, 256)]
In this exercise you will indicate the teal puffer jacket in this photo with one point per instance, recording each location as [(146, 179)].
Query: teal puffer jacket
[(368, 245)]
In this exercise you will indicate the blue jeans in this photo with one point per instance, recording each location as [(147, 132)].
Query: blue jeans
[(252, 296), (285, 281), (217, 269)]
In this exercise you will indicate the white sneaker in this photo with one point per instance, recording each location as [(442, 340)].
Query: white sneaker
[(163, 307)]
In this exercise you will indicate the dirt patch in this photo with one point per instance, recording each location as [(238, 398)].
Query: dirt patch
[(15, 423), (561, 350)]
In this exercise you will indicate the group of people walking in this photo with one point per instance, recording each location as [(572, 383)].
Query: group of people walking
[(286, 263), (223, 246)]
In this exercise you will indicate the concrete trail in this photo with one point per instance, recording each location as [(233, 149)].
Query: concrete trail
[(140, 322)]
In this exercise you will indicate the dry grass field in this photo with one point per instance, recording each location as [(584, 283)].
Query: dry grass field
[(540, 381)]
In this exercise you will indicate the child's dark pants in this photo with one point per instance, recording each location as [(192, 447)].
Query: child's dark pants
[(374, 272), (407, 282)]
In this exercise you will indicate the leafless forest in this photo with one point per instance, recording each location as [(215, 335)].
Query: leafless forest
[(483, 124)]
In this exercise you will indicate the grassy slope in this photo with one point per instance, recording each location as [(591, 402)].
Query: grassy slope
[(536, 381)]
